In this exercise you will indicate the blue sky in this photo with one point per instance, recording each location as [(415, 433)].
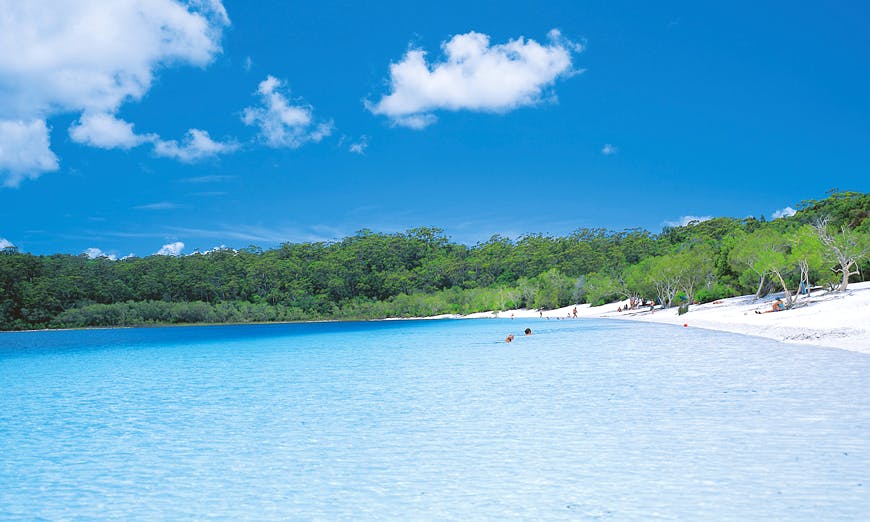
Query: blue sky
[(138, 127)]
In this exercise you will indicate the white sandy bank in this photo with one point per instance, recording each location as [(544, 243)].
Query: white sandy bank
[(836, 320)]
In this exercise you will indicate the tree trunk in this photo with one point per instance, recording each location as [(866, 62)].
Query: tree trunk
[(789, 301), (760, 287), (846, 273)]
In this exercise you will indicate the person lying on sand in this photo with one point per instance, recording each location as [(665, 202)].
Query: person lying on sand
[(777, 306)]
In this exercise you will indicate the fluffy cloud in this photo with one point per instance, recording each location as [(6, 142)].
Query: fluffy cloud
[(196, 145), (106, 132), (608, 149), (785, 212), (281, 123), (474, 75), (24, 151), (94, 253), (90, 56), (5, 243), (170, 249), (686, 220)]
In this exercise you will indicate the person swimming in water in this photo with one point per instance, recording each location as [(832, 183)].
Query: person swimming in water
[(509, 338), (528, 331)]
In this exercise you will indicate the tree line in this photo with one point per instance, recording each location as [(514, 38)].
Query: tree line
[(421, 272)]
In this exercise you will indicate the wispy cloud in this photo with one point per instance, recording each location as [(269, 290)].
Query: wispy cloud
[(475, 75), (687, 220), (785, 212), (608, 149), (160, 205), (227, 233), (207, 179), (360, 146), (281, 123), (261, 234)]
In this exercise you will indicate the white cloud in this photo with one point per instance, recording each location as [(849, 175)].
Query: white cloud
[(24, 151), (5, 243), (105, 131), (686, 220), (170, 249), (474, 75), (415, 121), (785, 212), (94, 253), (360, 146), (248, 64), (608, 149), (108, 132), (162, 205), (196, 145), (281, 123), (91, 56), (213, 250)]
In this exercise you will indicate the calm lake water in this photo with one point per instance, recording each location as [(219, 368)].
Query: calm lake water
[(583, 420)]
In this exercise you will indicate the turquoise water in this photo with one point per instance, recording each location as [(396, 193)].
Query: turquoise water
[(584, 420)]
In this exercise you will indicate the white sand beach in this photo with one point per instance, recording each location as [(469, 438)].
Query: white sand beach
[(831, 319)]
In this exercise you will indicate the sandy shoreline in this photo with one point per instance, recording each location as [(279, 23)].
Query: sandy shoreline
[(834, 320)]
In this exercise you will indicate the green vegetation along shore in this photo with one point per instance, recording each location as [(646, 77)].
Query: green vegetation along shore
[(421, 272)]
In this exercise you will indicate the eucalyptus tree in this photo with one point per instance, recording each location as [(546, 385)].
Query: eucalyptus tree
[(635, 283), (807, 252), (600, 288), (847, 248), (694, 268), (664, 276), (749, 251), (766, 252)]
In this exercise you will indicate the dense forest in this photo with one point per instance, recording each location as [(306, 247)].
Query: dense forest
[(421, 272)]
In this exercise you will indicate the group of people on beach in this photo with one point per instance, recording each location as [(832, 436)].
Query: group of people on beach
[(569, 315), (637, 304)]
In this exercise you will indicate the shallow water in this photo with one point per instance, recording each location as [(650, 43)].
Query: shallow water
[(430, 420)]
